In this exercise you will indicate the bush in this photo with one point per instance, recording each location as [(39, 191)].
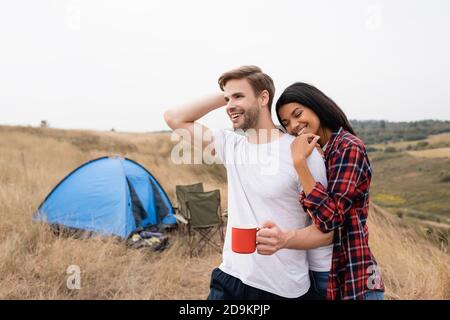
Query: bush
[(390, 150), (415, 136), (371, 149), (421, 145)]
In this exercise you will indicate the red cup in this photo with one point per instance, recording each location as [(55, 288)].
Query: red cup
[(243, 239)]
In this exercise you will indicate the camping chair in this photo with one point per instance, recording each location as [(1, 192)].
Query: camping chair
[(182, 214), (204, 212)]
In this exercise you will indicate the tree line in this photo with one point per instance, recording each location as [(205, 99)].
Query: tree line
[(381, 131)]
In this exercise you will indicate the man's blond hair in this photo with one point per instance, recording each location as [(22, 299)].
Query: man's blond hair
[(258, 80)]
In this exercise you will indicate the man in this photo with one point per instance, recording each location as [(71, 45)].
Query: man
[(262, 186)]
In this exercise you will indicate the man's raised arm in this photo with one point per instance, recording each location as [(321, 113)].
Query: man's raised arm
[(184, 117)]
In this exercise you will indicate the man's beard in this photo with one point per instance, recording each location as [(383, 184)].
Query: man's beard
[(251, 117)]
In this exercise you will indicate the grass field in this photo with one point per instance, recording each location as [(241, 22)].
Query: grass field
[(415, 184), (34, 262), (410, 182), (437, 141), (431, 153)]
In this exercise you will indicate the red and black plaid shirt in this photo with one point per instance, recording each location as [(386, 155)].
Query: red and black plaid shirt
[(343, 207)]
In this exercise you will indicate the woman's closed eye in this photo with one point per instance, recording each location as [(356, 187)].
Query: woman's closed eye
[(298, 113)]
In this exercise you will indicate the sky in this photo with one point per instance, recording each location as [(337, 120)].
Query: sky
[(120, 64)]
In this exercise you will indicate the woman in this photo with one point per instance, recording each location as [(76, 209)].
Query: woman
[(342, 207)]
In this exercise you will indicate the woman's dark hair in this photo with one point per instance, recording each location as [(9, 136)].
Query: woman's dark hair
[(329, 113)]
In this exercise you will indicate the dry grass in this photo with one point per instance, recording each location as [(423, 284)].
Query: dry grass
[(411, 267), (432, 153), (437, 139), (33, 261)]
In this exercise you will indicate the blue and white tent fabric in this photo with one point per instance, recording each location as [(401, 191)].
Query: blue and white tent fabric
[(108, 195)]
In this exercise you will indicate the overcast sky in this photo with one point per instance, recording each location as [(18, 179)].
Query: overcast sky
[(119, 64)]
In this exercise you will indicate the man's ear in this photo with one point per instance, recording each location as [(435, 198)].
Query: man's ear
[(264, 98)]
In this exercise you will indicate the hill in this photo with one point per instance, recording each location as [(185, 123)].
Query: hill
[(381, 131), (34, 262), (411, 179)]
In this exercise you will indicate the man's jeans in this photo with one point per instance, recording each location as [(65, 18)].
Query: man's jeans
[(226, 287), (319, 283)]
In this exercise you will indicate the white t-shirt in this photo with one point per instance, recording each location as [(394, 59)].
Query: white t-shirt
[(263, 185), (320, 258)]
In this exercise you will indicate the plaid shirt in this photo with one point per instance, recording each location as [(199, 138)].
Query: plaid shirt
[(344, 208)]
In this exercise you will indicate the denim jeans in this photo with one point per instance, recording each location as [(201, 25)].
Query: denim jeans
[(319, 283), (374, 295), (226, 287)]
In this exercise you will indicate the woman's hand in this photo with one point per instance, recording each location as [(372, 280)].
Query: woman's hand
[(303, 145), (270, 238)]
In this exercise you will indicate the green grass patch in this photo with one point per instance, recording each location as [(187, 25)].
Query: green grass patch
[(388, 199), (413, 183)]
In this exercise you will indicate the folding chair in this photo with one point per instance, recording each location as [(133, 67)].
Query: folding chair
[(182, 214), (205, 220)]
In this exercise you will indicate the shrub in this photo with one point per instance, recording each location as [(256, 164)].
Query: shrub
[(371, 149), (390, 150), (421, 145), (415, 136)]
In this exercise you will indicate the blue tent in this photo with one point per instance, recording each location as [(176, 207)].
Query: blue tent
[(109, 195)]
